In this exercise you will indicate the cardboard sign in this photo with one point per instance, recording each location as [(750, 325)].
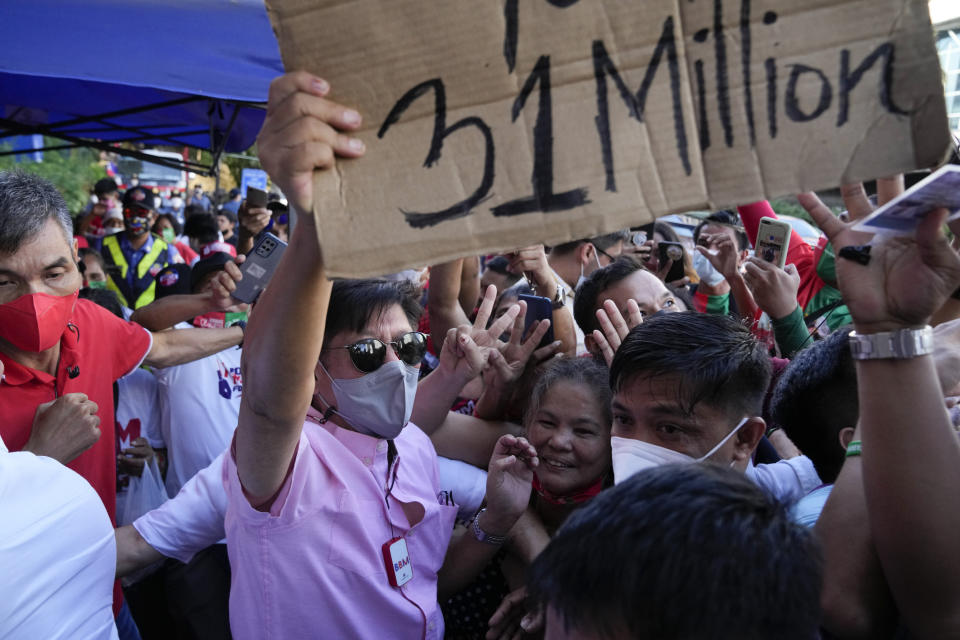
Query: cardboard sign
[(494, 124)]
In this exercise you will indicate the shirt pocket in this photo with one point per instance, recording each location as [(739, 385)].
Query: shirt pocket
[(356, 535), (430, 538)]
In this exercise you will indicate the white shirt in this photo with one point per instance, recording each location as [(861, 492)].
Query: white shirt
[(192, 520), (464, 485), (199, 407), (787, 480), (58, 556), (138, 413)]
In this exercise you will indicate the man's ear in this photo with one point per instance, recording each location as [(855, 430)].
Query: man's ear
[(585, 253), (75, 244), (846, 436), (591, 345), (747, 439)]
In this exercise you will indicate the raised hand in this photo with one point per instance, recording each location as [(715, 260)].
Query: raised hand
[(906, 279), (509, 482), (301, 133), (224, 284), (531, 262), (774, 289), (722, 252), (614, 327)]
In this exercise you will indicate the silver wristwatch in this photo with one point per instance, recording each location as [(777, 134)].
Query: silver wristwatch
[(483, 536), (889, 345)]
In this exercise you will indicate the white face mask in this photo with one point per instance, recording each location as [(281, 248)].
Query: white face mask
[(379, 403), (632, 456), (707, 272)]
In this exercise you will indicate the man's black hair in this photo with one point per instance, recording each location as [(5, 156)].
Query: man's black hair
[(203, 227), (585, 301), (815, 398), (683, 552), (105, 298), (354, 303), (105, 186), (498, 264), (717, 361), (602, 243), (726, 218)]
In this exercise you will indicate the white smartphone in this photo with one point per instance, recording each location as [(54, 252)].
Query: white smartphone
[(773, 240)]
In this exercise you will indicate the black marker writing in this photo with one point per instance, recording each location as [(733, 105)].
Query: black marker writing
[(849, 80), (603, 66), (794, 112), (543, 198), (512, 29), (440, 132)]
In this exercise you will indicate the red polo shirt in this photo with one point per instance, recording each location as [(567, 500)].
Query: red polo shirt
[(102, 349)]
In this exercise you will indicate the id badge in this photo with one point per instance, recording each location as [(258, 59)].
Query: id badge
[(397, 560)]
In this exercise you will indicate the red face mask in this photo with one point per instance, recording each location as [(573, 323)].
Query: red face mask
[(36, 321)]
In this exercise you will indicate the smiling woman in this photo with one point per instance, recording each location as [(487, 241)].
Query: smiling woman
[(568, 422)]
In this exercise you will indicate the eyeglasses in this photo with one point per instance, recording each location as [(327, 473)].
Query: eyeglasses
[(601, 251), (369, 354)]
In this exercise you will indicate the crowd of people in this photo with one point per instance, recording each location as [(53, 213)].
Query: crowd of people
[(744, 451)]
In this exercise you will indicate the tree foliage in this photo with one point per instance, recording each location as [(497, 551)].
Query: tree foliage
[(72, 171)]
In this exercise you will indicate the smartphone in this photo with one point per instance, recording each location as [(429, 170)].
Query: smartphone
[(256, 198), (259, 267), (538, 308), (773, 240), (672, 251)]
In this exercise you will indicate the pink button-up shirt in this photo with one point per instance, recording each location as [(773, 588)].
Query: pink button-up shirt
[(313, 566)]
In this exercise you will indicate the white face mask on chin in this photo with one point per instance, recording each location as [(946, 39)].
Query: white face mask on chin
[(632, 456)]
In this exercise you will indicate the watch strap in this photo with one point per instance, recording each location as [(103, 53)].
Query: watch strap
[(892, 345), (483, 536)]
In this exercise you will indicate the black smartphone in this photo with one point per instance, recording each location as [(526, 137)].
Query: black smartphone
[(256, 198), (538, 308), (259, 266), (672, 251)]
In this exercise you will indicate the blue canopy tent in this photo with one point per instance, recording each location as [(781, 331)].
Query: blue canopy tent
[(181, 73)]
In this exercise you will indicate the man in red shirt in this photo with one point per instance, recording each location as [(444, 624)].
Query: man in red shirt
[(61, 355)]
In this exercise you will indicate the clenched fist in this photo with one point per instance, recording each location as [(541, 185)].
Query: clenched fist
[(64, 428)]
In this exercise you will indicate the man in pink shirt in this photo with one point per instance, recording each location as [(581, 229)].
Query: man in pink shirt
[(337, 527)]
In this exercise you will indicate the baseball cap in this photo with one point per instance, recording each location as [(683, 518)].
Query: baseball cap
[(173, 279), (214, 257), (139, 195)]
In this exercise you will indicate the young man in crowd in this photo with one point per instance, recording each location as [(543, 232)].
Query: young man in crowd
[(690, 387), (681, 552), (633, 290), (722, 248)]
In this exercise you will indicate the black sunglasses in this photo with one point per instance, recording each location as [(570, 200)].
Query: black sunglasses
[(369, 354)]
